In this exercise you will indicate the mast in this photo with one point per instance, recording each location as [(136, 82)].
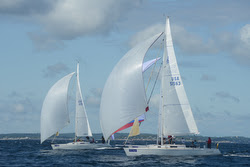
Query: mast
[(77, 81), (163, 88)]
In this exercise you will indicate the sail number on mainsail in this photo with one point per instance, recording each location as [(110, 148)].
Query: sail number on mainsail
[(175, 81)]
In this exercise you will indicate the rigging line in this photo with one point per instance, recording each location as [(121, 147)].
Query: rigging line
[(153, 67), (126, 141), (154, 84)]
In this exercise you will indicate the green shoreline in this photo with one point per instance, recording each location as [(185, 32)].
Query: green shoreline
[(123, 136)]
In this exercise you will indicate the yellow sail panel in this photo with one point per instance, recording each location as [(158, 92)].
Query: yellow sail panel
[(57, 133), (135, 130)]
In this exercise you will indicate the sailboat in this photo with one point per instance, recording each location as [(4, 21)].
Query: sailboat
[(55, 115), (124, 99)]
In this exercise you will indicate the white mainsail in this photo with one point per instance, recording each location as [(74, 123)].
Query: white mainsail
[(54, 115), (176, 117), (82, 127), (124, 97)]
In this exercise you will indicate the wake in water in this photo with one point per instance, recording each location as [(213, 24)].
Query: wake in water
[(237, 155)]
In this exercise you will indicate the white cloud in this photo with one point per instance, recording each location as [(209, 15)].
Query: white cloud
[(21, 110), (67, 19), (96, 92), (191, 43), (226, 95), (242, 49), (44, 42), (16, 103), (10, 4), (155, 101), (236, 45), (94, 99), (188, 42), (24, 8), (245, 35), (146, 33), (206, 77), (55, 69), (19, 107), (71, 19)]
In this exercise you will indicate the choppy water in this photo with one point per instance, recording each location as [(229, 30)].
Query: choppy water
[(29, 152)]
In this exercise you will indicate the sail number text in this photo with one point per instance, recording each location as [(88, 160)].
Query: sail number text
[(175, 81)]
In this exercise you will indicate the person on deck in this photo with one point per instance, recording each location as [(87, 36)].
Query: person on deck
[(173, 140), (182, 140), (170, 139), (164, 140), (103, 140), (195, 143), (87, 138), (209, 141)]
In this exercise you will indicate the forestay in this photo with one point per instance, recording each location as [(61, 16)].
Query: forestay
[(124, 97), (175, 112), (54, 115)]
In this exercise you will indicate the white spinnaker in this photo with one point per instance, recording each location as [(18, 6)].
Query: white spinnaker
[(54, 115), (123, 96), (146, 65), (177, 117), (82, 127)]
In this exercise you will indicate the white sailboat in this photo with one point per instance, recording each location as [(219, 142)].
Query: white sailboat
[(124, 99), (55, 115)]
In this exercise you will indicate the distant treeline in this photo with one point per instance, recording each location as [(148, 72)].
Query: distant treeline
[(123, 136)]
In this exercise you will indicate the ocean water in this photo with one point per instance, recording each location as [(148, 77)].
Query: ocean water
[(29, 152)]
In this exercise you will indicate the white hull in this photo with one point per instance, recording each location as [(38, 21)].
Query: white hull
[(78, 145), (169, 150)]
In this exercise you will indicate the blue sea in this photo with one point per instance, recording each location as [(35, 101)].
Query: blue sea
[(29, 152)]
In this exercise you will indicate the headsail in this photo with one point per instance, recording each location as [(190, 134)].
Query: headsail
[(124, 97), (82, 127), (135, 130), (54, 115), (176, 115)]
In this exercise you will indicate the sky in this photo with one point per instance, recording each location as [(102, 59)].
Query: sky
[(41, 41)]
